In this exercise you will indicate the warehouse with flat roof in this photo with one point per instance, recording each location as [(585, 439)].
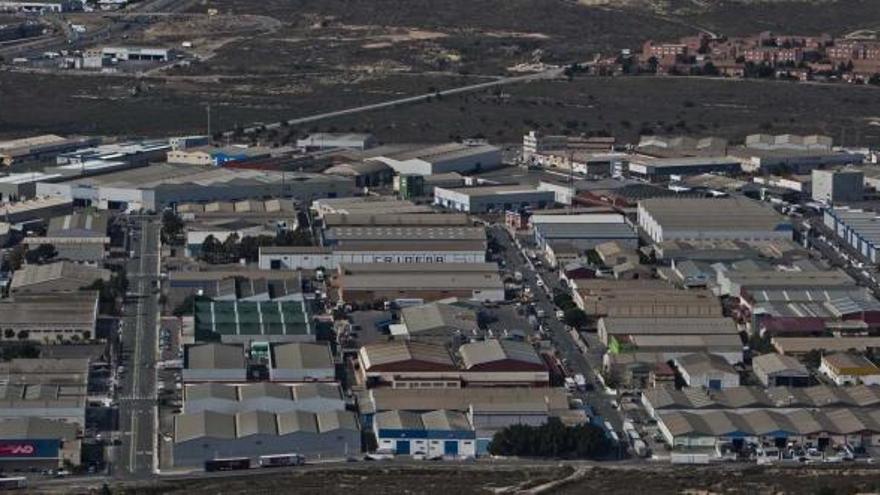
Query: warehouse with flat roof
[(485, 199), (663, 169), (734, 218), (412, 251), (858, 228)]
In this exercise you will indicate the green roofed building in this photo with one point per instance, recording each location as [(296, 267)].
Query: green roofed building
[(246, 321)]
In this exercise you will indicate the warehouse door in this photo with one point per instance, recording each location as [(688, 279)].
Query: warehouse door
[(403, 447), (450, 447), (714, 384)]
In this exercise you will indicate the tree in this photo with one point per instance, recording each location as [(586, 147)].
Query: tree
[(172, 228), (813, 359), (186, 307), (23, 335), (552, 439), (576, 318), (9, 333), (15, 257), (42, 254), (211, 249)]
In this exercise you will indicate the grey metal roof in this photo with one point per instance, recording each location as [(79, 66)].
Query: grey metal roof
[(772, 364), (209, 424), (296, 421), (487, 351), (398, 420), (36, 428), (301, 356), (438, 315), (255, 423), (585, 230), (704, 363), (215, 356), (445, 420), (75, 272), (336, 420)]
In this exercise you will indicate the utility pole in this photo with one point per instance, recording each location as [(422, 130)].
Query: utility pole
[(209, 120), (571, 182)]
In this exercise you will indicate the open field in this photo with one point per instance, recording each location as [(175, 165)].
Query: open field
[(624, 107)]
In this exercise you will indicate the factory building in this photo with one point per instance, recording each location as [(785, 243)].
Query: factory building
[(31, 443), (486, 199), (582, 232), (208, 435), (711, 431), (611, 327), (156, 186), (372, 205), (249, 321), (845, 368), (443, 158), (335, 236), (61, 276), (325, 141), (669, 219), (418, 283), (52, 318), (34, 211), (271, 397), (858, 228), (49, 389), (433, 434), (838, 186), (39, 148), (80, 236), (415, 251), (665, 169), (707, 370), (776, 370), (410, 364)]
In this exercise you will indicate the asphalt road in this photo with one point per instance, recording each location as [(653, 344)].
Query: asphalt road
[(137, 399), (548, 74), (586, 363)]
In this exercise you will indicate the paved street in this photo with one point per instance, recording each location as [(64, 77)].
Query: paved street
[(577, 361), (137, 399)]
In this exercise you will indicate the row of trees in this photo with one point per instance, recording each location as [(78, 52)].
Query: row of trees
[(572, 315), (234, 248), (110, 293), (552, 439), (18, 255)]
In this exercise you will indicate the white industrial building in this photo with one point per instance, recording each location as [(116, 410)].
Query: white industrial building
[(135, 53), (836, 186), (492, 198), (39, 6), (734, 218), (583, 231), (427, 252), (444, 158), (707, 370), (324, 141), (433, 434), (858, 228)]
